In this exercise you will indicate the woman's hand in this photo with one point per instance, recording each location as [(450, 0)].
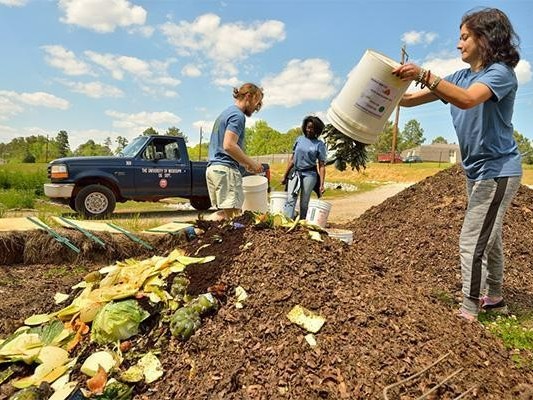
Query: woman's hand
[(284, 180), (322, 189), (407, 72)]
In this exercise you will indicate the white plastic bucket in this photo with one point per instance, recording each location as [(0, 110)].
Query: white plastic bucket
[(255, 189), (341, 234), (368, 98), (318, 212), (277, 201)]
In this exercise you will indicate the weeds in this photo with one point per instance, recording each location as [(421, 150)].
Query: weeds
[(516, 334), (63, 271), (14, 198)]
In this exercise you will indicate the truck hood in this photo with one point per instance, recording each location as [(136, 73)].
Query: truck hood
[(92, 160)]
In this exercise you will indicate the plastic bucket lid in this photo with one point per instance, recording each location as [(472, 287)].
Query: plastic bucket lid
[(341, 234)]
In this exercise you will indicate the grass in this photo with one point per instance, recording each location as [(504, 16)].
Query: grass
[(516, 333), (62, 271)]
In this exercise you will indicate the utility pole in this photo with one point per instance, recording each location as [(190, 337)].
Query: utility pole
[(404, 58), (200, 146), (46, 152)]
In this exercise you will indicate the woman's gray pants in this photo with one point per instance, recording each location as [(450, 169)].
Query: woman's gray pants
[(480, 243)]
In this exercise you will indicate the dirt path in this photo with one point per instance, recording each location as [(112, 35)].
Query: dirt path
[(348, 208)]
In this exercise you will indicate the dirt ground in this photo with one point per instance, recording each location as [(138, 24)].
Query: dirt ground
[(389, 300)]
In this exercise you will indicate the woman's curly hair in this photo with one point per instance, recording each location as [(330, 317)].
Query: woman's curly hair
[(318, 125), (496, 38)]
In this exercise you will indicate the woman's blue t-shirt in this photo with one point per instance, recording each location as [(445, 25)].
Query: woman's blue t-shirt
[(306, 153), (485, 132)]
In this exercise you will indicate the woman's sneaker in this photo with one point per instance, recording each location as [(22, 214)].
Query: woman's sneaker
[(498, 307)]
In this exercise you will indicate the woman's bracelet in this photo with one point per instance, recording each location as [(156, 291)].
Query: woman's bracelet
[(435, 82)]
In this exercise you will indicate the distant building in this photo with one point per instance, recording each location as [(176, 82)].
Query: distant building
[(437, 152)]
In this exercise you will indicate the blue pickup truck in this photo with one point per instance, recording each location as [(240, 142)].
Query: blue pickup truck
[(150, 168)]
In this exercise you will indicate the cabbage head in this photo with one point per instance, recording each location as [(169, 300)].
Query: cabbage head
[(117, 321)]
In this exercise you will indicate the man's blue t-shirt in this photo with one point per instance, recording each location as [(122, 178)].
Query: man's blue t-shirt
[(306, 152), (232, 119), (485, 132)]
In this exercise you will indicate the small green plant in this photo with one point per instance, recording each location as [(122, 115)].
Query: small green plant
[(14, 198), (63, 271), (516, 334)]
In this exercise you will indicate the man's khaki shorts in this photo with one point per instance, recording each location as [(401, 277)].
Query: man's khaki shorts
[(225, 187)]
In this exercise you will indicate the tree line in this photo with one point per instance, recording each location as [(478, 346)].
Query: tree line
[(260, 139)]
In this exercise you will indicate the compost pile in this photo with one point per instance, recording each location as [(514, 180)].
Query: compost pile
[(389, 301)]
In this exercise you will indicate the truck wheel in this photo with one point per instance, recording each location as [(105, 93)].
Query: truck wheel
[(72, 203), (95, 201), (200, 203)]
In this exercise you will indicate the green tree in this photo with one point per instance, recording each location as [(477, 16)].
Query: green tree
[(150, 131), (412, 135), (384, 142), (174, 131), (28, 158), (90, 148), (121, 143), (524, 147), (199, 152), (439, 140), (63, 146), (287, 140), (261, 139)]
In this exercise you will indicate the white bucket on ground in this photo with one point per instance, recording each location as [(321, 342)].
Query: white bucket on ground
[(255, 189), (318, 212), (342, 234), (368, 98), (277, 201)]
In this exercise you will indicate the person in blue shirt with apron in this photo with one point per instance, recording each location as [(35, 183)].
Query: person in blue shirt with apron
[(226, 154), (481, 101), (306, 170)]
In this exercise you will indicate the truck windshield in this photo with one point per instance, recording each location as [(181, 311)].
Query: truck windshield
[(133, 148)]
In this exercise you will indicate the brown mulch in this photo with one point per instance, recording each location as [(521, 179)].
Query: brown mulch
[(389, 300)]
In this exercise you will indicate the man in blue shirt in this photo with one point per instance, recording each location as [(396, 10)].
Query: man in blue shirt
[(226, 153)]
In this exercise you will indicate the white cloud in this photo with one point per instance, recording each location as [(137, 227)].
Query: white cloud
[(192, 71), (444, 66), (206, 127), (233, 81), (8, 107), (118, 65), (13, 3), (144, 31), (11, 103), (7, 133), (137, 123), (65, 60), (523, 72), (418, 37), (102, 16), (148, 72), (94, 89), (79, 137), (223, 43), (300, 81)]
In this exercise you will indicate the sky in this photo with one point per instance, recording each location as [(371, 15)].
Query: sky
[(106, 68)]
